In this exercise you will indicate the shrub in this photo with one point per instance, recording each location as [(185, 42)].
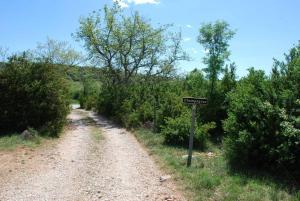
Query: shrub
[(128, 115), (132, 120), (260, 132), (75, 89), (104, 103), (202, 133), (177, 131), (146, 111), (89, 94), (35, 95)]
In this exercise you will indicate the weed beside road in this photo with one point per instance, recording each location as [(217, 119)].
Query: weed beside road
[(15, 140)]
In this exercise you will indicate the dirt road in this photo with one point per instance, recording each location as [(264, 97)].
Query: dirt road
[(80, 166)]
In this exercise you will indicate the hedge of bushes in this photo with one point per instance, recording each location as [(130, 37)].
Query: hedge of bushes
[(32, 95), (262, 128)]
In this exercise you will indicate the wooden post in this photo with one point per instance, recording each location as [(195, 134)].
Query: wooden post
[(191, 141), (194, 102)]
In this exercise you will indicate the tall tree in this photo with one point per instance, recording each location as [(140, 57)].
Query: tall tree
[(215, 37), (127, 45)]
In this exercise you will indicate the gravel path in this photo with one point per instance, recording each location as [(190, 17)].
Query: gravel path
[(79, 167)]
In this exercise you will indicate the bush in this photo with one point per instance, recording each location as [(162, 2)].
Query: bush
[(89, 94), (75, 89), (132, 120), (146, 111), (177, 131), (35, 95), (129, 116), (260, 132)]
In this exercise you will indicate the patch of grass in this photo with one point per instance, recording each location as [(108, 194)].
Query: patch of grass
[(207, 181), (97, 135), (14, 141), (95, 130), (209, 177)]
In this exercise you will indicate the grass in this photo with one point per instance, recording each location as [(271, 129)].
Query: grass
[(209, 178), (97, 135), (14, 141), (95, 130)]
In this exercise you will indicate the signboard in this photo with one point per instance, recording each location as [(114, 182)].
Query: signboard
[(194, 102), (198, 101)]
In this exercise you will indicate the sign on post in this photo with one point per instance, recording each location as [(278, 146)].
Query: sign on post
[(191, 100), (194, 102)]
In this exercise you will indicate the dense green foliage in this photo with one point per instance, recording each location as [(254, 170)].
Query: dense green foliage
[(263, 124), (177, 131), (35, 95), (83, 82), (89, 94)]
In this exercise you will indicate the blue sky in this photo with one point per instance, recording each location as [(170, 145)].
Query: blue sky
[(265, 29)]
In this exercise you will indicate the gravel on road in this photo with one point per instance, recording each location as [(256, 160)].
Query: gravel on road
[(78, 168)]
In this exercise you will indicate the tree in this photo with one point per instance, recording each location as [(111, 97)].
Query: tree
[(127, 45), (129, 50), (215, 38), (57, 52)]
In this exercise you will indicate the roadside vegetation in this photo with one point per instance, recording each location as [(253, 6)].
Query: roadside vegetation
[(39, 87), (14, 141), (210, 178), (35, 96)]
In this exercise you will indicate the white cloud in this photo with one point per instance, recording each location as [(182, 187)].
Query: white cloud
[(186, 39), (121, 3), (144, 1), (189, 26), (126, 3)]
